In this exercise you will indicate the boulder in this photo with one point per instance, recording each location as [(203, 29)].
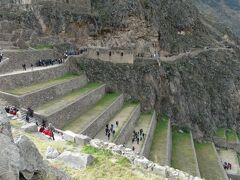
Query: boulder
[(82, 140), (76, 160), (51, 153), (30, 127), (69, 136), (9, 159), (141, 162), (31, 160), (160, 170)]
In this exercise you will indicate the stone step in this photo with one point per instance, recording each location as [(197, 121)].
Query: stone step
[(183, 152), (146, 122), (209, 162), (161, 149), (61, 110), (91, 121), (122, 117), (40, 93), (25, 78)]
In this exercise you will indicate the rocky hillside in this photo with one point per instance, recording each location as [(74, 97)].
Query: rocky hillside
[(223, 11), (144, 26)]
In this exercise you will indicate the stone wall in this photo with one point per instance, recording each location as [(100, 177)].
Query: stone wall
[(34, 99), (169, 145), (220, 142), (12, 81), (150, 133), (220, 163), (63, 115), (128, 128), (111, 55), (97, 124), (19, 57), (195, 155)]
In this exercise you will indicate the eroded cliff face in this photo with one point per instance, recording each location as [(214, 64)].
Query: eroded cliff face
[(168, 26), (200, 92)]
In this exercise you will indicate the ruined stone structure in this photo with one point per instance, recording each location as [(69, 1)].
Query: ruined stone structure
[(111, 55)]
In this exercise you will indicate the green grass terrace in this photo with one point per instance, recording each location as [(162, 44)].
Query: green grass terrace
[(38, 86), (231, 136), (208, 162), (82, 121), (57, 104), (158, 148), (221, 133), (182, 152)]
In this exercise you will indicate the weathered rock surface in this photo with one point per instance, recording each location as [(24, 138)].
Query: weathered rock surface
[(51, 153), (76, 160), (30, 127), (31, 160)]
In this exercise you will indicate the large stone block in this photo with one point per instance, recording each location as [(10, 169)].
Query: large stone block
[(82, 140), (30, 127), (69, 136), (51, 153), (76, 160)]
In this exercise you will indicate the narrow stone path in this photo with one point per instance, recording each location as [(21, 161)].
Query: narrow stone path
[(122, 117), (59, 103), (142, 123), (30, 70), (78, 124), (230, 156)]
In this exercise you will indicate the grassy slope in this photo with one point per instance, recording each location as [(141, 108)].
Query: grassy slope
[(182, 152), (79, 123), (208, 162), (55, 104), (42, 85), (158, 148), (106, 165), (231, 136), (221, 133)]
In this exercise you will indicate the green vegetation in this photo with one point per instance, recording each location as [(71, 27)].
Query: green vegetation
[(182, 152), (208, 162), (63, 101), (105, 166), (43, 85), (221, 133), (231, 136), (79, 123), (43, 46), (158, 148)]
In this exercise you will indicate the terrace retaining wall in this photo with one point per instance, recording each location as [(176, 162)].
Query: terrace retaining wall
[(28, 57), (195, 155), (128, 128), (97, 124), (169, 145), (25, 78), (73, 110), (148, 141), (42, 96)]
